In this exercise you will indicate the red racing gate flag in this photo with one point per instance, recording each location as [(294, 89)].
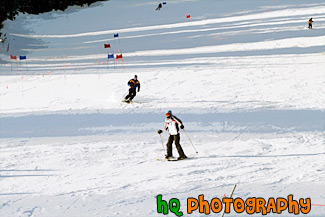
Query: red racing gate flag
[(13, 58), (119, 56), (188, 16)]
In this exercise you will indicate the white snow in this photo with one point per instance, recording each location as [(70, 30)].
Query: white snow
[(245, 77)]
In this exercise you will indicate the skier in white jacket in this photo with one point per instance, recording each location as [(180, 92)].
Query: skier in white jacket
[(172, 124)]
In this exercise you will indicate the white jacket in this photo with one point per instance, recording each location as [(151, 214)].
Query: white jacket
[(172, 125)]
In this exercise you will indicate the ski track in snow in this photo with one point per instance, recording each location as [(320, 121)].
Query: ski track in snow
[(247, 82)]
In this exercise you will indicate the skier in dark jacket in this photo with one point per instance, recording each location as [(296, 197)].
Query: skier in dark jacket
[(159, 6), (133, 84), (310, 22), (172, 124)]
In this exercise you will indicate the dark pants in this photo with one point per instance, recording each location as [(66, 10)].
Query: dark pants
[(310, 26), (131, 95), (178, 146)]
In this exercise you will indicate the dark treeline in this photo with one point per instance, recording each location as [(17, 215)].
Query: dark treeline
[(10, 8)]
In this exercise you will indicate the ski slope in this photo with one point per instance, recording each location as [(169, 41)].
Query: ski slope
[(245, 77)]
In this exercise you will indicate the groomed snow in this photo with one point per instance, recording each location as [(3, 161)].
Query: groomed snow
[(245, 77)]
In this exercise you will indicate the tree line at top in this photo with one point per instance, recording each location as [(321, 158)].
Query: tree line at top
[(9, 9)]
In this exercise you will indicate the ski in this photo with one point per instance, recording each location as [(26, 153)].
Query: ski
[(127, 101), (172, 159), (131, 102)]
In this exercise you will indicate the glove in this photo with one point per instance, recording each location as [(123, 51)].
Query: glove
[(160, 131), (182, 127)]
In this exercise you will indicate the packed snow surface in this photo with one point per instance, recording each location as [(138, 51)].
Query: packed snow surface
[(245, 77)]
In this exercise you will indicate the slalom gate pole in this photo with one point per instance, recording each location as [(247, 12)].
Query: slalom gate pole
[(223, 213), (162, 143), (190, 141)]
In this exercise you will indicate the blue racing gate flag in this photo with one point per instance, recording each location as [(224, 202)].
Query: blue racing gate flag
[(22, 57)]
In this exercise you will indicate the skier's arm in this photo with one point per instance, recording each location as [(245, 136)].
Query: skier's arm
[(179, 122), (138, 86), (132, 84), (165, 128)]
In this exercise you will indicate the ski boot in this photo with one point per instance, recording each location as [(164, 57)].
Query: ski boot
[(182, 157)]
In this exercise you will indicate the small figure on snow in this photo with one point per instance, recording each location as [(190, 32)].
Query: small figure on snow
[(133, 84), (159, 6), (172, 124), (310, 22)]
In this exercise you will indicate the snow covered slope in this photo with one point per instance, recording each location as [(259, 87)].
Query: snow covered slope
[(246, 78)]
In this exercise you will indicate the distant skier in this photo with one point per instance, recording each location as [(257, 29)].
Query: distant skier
[(310, 22), (133, 84), (172, 124), (159, 6)]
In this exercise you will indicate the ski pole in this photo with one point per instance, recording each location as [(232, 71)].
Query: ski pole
[(162, 143), (223, 213), (190, 141)]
